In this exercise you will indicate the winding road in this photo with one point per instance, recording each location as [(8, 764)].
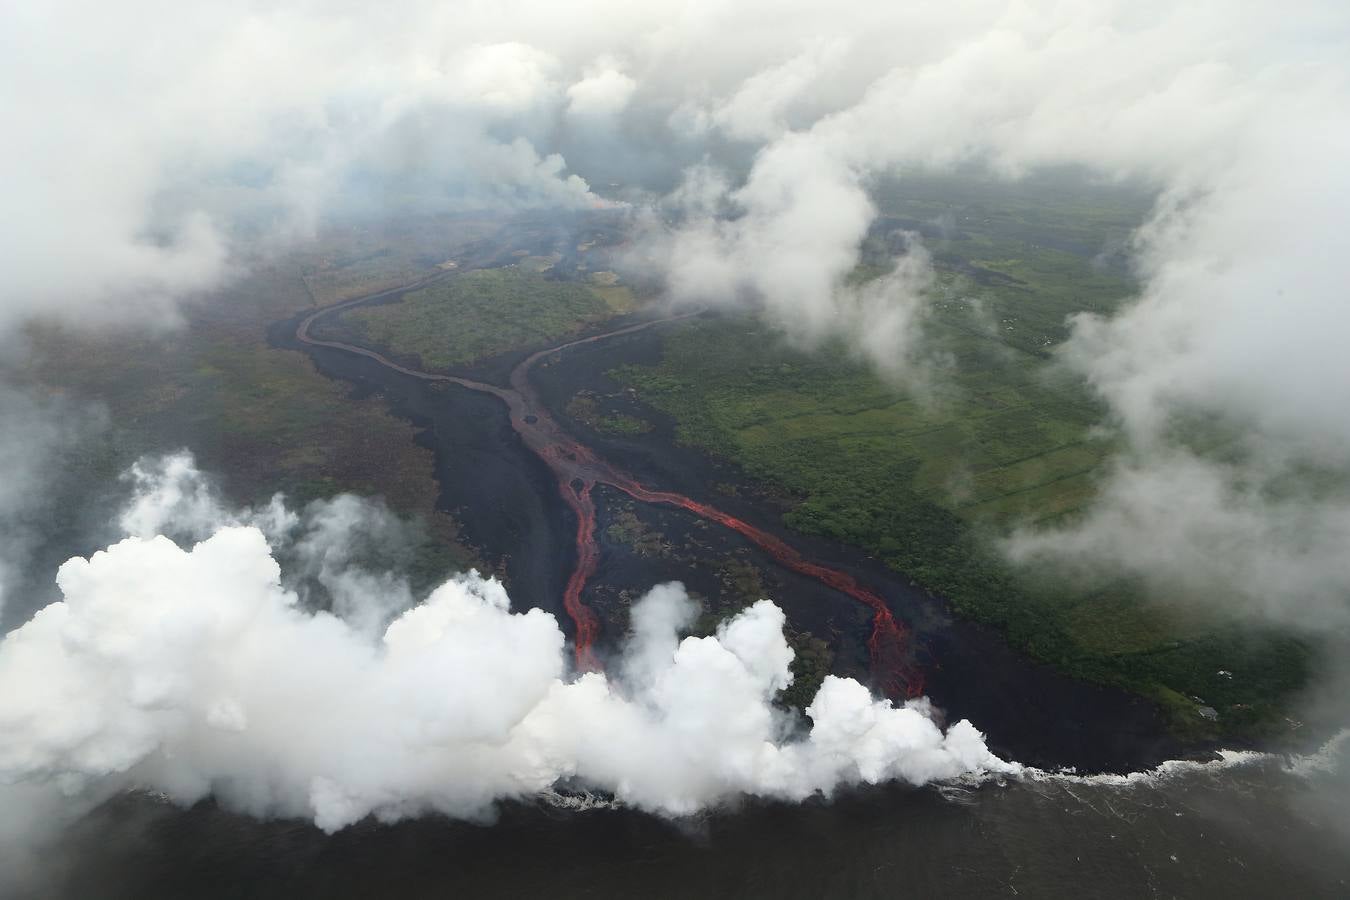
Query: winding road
[(578, 469)]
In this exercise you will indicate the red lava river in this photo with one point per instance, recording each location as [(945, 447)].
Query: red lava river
[(578, 469)]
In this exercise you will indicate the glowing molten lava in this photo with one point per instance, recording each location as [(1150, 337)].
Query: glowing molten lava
[(577, 470), (578, 496), (886, 644)]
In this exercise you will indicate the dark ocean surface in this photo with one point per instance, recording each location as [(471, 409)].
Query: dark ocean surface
[(1244, 828)]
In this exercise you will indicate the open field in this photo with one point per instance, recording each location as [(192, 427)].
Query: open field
[(585, 408), (479, 314), (356, 261), (927, 480)]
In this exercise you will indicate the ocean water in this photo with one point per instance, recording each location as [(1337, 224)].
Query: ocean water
[(1243, 825)]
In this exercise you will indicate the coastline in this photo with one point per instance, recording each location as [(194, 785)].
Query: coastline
[(511, 508)]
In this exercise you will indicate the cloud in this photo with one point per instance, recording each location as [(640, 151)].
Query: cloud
[(288, 115), (135, 174), (194, 671), (603, 93), (1236, 338), (1206, 533), (761, 107), (341, 552)]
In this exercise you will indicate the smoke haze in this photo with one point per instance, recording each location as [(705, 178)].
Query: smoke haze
[(194, 671)]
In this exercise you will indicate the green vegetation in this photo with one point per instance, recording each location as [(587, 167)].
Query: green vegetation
[(585, 408), (476, 315), (357, 261), (619, 297), (812, 660), (928, 480), (258, 418), (741, 584), (629, 529)]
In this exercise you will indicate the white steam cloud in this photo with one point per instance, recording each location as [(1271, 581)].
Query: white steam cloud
[(193, 671)]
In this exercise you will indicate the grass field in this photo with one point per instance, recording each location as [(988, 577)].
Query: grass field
[(928, 481), (481, 313), (585, 408)]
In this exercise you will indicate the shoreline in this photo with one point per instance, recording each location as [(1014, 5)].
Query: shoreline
[(1029, 711)]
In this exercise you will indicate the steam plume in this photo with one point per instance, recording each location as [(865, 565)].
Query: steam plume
[(192, 671)]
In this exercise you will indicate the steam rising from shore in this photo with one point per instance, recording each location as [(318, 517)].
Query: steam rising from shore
[(193, 671)]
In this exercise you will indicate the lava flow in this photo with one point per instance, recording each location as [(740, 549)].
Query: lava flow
[(577, 493), (887, 641), (577, 470)]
